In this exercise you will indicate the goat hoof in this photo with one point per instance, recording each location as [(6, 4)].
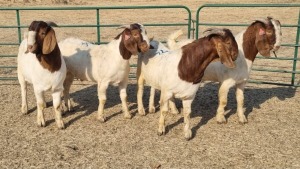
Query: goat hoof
[(188, 134), (101, 119), (221, 120), (41, 123), (242, 120), (151, 109), (127, 116), (142, 112), (24, 110), (60, 124), (161, 131)]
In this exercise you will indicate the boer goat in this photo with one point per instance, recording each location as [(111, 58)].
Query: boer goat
[(40, 63), (262, 36), (178, 73), (104, 64)]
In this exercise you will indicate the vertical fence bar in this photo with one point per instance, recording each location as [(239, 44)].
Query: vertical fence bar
[(98, 26), (296, 51), (189, 24), (19, 26)]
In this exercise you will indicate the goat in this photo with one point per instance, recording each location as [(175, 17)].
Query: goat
[(178, 73), (262, 36), (104, 64), (40, 63), (157, 48)]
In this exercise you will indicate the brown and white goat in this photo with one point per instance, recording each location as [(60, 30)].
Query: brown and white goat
[(262, 36), (178, 73), (104, 64), (40, 63)]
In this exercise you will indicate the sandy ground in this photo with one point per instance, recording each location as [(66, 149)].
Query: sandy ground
[(269, 140)]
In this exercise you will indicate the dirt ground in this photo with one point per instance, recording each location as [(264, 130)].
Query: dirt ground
[(269, 140)]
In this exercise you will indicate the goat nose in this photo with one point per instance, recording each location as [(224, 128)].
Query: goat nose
[(30, 46)]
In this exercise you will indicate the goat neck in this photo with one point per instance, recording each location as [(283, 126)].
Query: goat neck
[(51, 61), (196, 56)]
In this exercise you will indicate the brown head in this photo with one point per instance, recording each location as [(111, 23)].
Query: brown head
[(42, 42), (196, 56), (41, 37), (262, 36), (134, 40)]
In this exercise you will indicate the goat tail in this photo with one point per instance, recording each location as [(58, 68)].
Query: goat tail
[(172, 38)]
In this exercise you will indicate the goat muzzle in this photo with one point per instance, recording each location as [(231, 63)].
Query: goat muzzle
[(143, 46)]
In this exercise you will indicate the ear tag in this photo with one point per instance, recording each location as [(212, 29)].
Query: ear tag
[(261, 32)]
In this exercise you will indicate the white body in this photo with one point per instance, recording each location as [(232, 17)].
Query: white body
[(98, 63), (159, 70), (217, 72), (30, 70)]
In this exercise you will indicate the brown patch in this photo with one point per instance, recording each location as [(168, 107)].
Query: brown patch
[(47, 50), (259, 37), (128, 45), (195, 58), (50, 42), (197, 55), (51, 61), (132, 41)]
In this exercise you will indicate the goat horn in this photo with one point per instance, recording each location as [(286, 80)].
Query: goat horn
[(211, 31), (124, 27), (50, 23)]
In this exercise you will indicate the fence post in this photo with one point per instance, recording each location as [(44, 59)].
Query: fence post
[(98, 27), (296, 51), (19, 26)]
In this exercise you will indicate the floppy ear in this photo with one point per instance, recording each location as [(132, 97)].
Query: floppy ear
[(130, 43), (224, 57), (49, 42)]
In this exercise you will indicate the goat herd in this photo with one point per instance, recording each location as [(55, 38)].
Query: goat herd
[(176, 70)]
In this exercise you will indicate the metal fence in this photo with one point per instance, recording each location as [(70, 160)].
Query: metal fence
[(98, 25), (189, 24), (270, 70)]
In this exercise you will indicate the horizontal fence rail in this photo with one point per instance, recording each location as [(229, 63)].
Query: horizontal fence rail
[(294, 57), (98, 24)]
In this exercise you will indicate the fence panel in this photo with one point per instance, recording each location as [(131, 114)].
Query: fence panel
[(94, 24), (280, 71)]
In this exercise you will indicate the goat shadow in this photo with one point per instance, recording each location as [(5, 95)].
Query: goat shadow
[(205, 103), (86, 100)]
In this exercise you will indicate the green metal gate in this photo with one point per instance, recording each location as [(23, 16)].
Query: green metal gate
[(270, 74), (263, 72), (97, 26)]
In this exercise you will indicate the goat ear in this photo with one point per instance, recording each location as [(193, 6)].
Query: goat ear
[(130, 43), (262, 32), (262, 44), (224, 57), (49, 42)]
